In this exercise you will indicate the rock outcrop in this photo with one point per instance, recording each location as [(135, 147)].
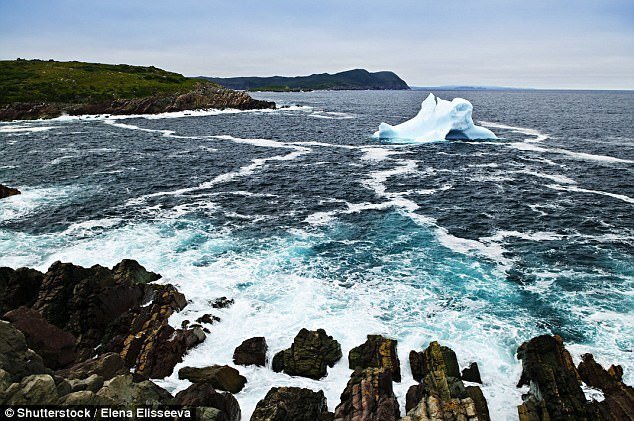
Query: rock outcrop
[(251, 352), (220, 377), (211, 405), (309, 356), (441, 394), (53, 344), (202, 96), (555, 385), (472, 373), (376, 352), (292, 404), (18, 287), (16, 358), (7, 191), (368, 396)]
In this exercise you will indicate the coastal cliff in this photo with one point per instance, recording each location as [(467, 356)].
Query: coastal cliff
[(47, 89)]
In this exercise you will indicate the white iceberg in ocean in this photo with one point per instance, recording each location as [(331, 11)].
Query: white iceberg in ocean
[(437, 119)]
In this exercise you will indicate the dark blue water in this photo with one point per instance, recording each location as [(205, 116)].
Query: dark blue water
[(308, 222)]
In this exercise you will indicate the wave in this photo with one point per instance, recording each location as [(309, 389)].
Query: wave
[(622, 197)]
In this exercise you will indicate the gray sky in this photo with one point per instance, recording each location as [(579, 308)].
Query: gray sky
[(529, 43)]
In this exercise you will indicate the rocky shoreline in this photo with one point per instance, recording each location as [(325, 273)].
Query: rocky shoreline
[(97, 336), (203, 96)]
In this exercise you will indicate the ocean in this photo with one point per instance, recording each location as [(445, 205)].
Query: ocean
[(306, 221)]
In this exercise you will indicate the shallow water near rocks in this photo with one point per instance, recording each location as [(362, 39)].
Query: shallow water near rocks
[(306, 221)]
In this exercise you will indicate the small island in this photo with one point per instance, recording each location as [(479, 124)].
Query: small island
[(33, 89), (357, 79)]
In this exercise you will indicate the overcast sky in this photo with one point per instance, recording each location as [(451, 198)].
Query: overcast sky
[(528, 43)]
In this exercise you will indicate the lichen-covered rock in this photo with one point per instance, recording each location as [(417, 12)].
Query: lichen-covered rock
[(292, 404), (205, 396), (420, 362), (18, 287), (309, 356), (220, 377), (55, 346), (251, 352), (8, 191), (92, 383), (36, 389), (441, 394), (106, 366), (85, 397), (555, 388), (368, 396), (16, 358), (125, 391), (377, 352)]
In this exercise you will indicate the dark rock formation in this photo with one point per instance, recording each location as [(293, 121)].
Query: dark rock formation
[(54, 345), (15, 356), (376, 352), (8, 191), (251, 352), (292, 404), (36, 389), (204, 396), (419, 361), (472, 373), (310, 354), (368, 396), (203, 96), (220, 377), (555, 385), (222, 302), (441, 394), (106, 366), (18, 287), (208, 319)]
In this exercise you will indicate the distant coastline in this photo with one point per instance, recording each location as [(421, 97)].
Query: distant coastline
[(357, 79)]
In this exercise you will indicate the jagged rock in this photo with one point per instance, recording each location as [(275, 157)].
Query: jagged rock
[(15, 357), (202, 96), (165, 347), (131, 271), (7, 191), (368, 396), (251, 352), (555, 390), (472, 373), (36, 389), (222, 302), (208, 318), (419, 362), (618, 403), (125, 392), (85, 397), (55, 346), (441, 394), (310, 354), (106, 366), (220, 377), (292, 404), (204, 395), (91, 383), (377, 351), (18, 287)]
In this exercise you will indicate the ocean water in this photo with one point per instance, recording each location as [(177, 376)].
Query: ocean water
[(306, 221)]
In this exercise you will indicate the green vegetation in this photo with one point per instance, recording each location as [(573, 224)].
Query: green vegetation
[(77, 82), (351, 79)]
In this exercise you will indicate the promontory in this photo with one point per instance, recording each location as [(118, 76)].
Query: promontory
[(33, 89)]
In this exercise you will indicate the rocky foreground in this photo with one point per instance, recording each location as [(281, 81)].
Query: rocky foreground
[(202, 96), (97, 336)]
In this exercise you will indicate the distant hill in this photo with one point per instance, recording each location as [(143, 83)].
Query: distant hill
[(43, 89), (356, 79), (467, 88)]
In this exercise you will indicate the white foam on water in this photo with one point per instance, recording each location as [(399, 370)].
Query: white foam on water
[(558, 178), (331, 115), (378, 154), (576, 189), (33, 199), (24, 129), (575, 155), (537, 135)]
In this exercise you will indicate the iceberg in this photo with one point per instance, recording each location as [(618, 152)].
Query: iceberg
[(437, 119)]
